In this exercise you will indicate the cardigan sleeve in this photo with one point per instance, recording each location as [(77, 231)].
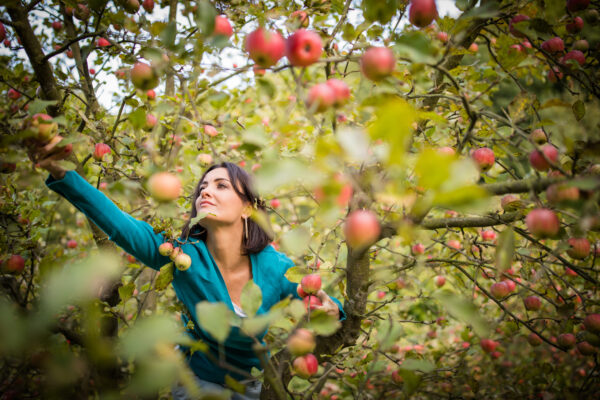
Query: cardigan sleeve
[(134, 236), (290, 288)]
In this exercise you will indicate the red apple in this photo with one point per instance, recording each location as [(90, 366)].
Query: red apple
[(306, 366), (377, 63), (554, 75), (488, 235), (222, 26), (151, 94), (442, 37), (361, 229), (484, 158), (14, 265), (554, 45), (320, 97), (510, 284), (576, 55), (575, 26), (13, 94), (56, 25), (455, 244), (300, 291), (538, 136), (488, 345), (2, 32), (210, 130), (586, 349), (446, 150), (577, 5), (592, 323), (511, 202), (148, 5), (312, 302), (439, 281), (418, 249), (71, 244), (532, 303), (275, 203), (499, 290), (303, 48), (100, 150), (473, 47), (151, 121), (69, 53), (311, 284), (422, 12), (581, 45), (301, 342), (544, 159), (81, 12), (182, 261), (265, 47), (92, 71), (165, 249), (566, 340), (204, 158), (341, 91), (580, 248), (542, 223), (131, 6), (102, 42), (43, 127), (534, 339), (562, 193), (299, 19), (143, 76), (514, 21), (164, 186)]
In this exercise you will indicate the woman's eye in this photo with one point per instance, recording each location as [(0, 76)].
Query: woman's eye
[(222, 185)]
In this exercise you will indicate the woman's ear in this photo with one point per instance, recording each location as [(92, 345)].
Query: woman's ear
[(247, 211)]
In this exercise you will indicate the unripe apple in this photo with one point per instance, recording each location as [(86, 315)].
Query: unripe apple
[(553, 45), (580, 248), (265, 47), (488, 345), (488, 235), (14, 265), (71, 244), (377, 63), (151, 121), (581, 45), (566, 340), (341, 91), (164, 186), (100, 150), (592, 16), (577, 5), (56, 25), (143, 76), (576, 55), (538, 158), (561, 193), (81, 12), (102, 42), (131, 6), (534, 339), (511, 202), (311, 284), (499, 290), (299, 19), (222, 26), (13, 94), (312, 302), (532, 303), (275, 203), (418, 249), (538, 136), (542, 223), (439, 281), (165, 249), (422, 12), (43, 127), (301, 342), (592, 323), (575, 26), (586, 349), (303, 48), (484, 158), (361, 228), (320, 97), (306, 366), (148, 5), (513, 22), (182, 261)]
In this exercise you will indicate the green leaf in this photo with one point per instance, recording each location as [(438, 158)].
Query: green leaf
[(354, 142), (411, 380), (393, 124), (387, 334), (433, 168), (165, 277), (413, 364), (505, 250), (201, 215), (126, 291), (205, 17), (295, 274), (266, 86), (463, 310), (255, 135), (138, 118), (251, 298), (40, 106), (298, 385), (273, 174), (296, 241), (168, 35), (416, 46), (141, 339), (214, 318), (322, 323), (235, 385), (578, 110), (255, 326)]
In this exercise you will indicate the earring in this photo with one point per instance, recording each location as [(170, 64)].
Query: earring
[(246, 227)]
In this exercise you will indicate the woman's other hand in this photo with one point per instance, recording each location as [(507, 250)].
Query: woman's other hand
[(46, 156), (328, 305)]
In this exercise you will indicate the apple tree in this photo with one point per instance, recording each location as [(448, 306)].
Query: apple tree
[(439, 174)]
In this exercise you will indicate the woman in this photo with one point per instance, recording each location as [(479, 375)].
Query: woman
[(227, 249)]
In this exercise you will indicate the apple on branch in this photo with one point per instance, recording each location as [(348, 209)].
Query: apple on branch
[(164, 186), (265, 47)]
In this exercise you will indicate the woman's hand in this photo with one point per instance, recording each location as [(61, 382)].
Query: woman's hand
[(47, 156), (328, 305)]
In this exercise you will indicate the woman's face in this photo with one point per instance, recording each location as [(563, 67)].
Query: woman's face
[(219, 199)]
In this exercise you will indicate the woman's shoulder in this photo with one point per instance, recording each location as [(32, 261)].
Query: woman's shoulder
[(274, 258)]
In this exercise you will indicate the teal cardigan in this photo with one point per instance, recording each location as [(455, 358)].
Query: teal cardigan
[(201, 282)]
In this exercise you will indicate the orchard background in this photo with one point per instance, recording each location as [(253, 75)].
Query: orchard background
[(476, 147)]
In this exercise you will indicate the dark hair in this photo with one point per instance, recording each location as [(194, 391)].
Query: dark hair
[(258, 238)]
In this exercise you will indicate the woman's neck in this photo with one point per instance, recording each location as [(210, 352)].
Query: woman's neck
[(222, 243)]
